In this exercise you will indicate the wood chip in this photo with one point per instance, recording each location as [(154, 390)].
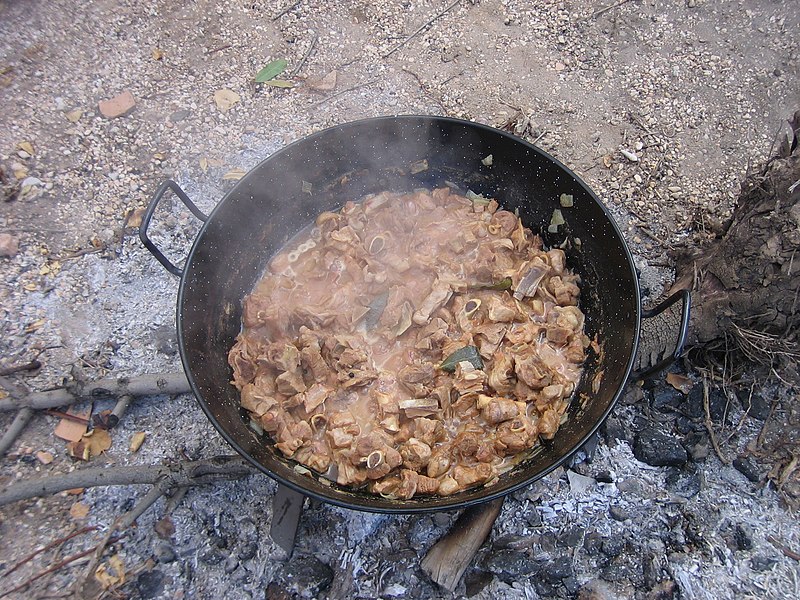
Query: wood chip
[(680, 382), (118, 106), (72, 431), (79, 510), (326, 84)]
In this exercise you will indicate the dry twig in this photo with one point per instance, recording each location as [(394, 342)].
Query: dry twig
[(168, 476), (115, 387), (47, 547), (17, 425), (710, 424), (422, 28)]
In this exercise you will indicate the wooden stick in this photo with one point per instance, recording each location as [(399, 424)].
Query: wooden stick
[(110, 387), (421, 28), (174, 474), (28, 366), (447, 560), (285, 10), (17, 425), (120, 524), (337, 94), (303, 60)]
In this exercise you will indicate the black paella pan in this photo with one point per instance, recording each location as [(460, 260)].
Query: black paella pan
[(319, 173)]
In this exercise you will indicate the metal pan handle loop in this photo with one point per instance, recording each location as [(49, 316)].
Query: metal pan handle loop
[(682, 332), (148, 215)]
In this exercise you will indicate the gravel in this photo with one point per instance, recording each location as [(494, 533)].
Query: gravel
[(694, 90)]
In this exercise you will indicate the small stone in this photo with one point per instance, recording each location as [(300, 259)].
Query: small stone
[(748, 468), (274, 591), (9, 245), (179, 115), (117, 106), (658, 449), (310, 574), (579, 484), (618, 513), (510, 565), (664, 590), (717, 403), (150, 584), (212, 556), (699, 452), (165, 554), (534, 518), (231, 564)]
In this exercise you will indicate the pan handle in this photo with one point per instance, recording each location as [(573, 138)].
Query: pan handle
[(682, 331), (148, 214)]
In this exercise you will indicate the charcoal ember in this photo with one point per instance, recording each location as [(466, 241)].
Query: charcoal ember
[(557, 569), (613, 546), (618, 513), (164, 553), (510, 565), (664, 590), (743, 536), (592, 543), (658, 449), (614, 429), (683, 482), (571, 537), (476, 581), (308, 575), (717, 403), (756, 406), (150, 584), (748, 468), (616, 573), (762, 562), (248, 551), (666, 399), (594, 590)]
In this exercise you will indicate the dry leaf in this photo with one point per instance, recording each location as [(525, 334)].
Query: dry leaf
[(20, 173), (75, 491), (112, 573), (27, 147), (326, 84), (79, 510), (98, 441), (216, 162), (72, 431), (607, 161), (680, 382), (44, 457), (234, 174), (137, 439), (135, 218), (36, 324), (29, 287), (204, 164), (74, 116), (225, 99), (157, 54), (165, 528)]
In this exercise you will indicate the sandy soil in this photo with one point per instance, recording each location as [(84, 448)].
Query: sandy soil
[(662, 107)]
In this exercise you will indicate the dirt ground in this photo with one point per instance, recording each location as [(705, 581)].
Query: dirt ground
[(661, 107)]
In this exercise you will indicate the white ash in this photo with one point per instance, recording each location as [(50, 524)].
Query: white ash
[(694, 90)]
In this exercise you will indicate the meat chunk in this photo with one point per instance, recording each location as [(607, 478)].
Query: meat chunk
[(501, 373), (416, 454), (469, 476), (440, 294), (530, 369), (290, 383), (499, 410), (428, 430)]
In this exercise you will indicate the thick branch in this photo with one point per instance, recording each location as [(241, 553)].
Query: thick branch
[(165, 476), (111, 387)]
